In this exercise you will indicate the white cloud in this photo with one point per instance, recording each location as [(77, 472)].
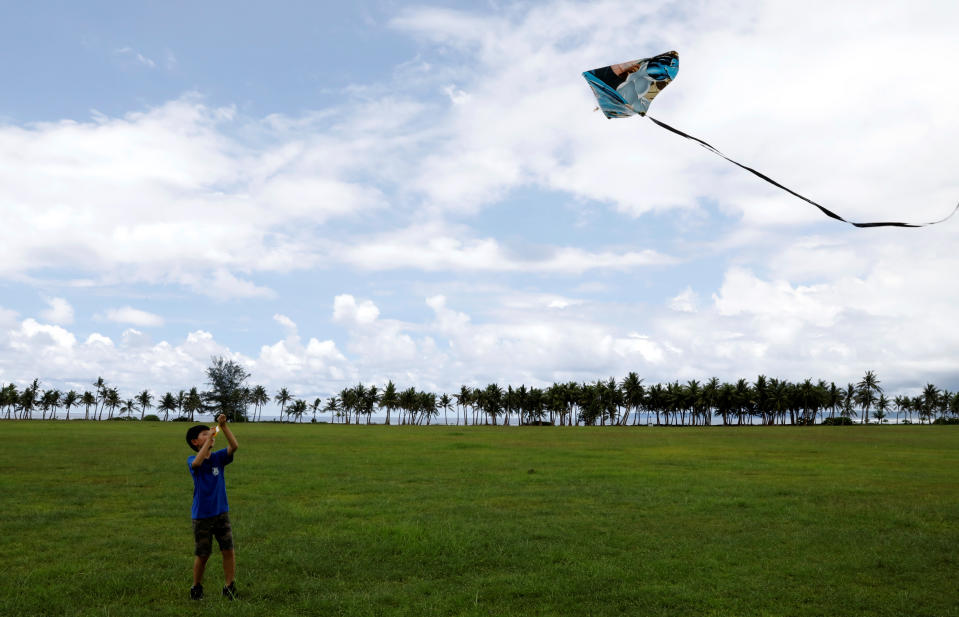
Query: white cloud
[(286, 322), (223, 284), (98, 339), (60, 312), (137, 56), (7, 317), (33, 334), (347, 310), (457, 96), (170, 196), (437, 247), (136, 317), (132, 337), (685, 302)]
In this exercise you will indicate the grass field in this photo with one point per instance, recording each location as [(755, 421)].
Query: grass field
[(357, 520)]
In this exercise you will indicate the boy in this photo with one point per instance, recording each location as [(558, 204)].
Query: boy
[(210, 518)]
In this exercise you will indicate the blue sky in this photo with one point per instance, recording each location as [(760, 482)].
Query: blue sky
[(289, 58), (422, 192)]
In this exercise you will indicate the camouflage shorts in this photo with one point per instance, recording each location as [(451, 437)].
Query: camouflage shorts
[(205, 529)]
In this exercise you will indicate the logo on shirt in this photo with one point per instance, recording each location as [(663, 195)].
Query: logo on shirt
[(216, 471)]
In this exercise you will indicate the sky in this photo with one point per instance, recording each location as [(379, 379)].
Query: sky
[(334, 193)]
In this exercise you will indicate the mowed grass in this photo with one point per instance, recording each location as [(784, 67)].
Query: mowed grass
[(373, 520)]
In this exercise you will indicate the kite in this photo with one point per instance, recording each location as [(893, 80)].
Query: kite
[(628, 89)]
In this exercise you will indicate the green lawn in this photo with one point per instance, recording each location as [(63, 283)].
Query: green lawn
[(373, 520)]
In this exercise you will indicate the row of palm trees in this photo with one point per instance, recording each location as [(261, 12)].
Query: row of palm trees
[(604, 402)]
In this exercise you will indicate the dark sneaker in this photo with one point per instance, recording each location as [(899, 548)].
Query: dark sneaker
[(196, 592), (229, 592)]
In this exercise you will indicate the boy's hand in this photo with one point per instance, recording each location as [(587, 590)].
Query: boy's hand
[(221, 419)]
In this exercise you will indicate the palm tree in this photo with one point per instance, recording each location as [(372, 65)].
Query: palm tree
[(463, 399), (99, 390), (848, 400), (710, 392), (866, 391), (297, 409), (570, 394), (407, 402), (348, 402), (590, 403), (446, 402), (193, 403), (389, 400), (332, 406), (744, 395), (28, 401), (360, 394), (70, 399), (145, 399), (882, 406), (317, 402), (283, 397), (258, 398), (493, 401), (944, 398), (930, 397), (916, 405), (821, 399), (180, 402), (427, 404), (833, 398), (693, 396), (370, 400), (87, 400), (509, 403), (901, 402), (654, 401), (808, 400), (8, 399), (538, 402), (50, 401), (632, 387), (762, 398), (169, 403), (725, 401)]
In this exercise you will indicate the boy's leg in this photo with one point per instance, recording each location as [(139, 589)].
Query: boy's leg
[(203, 535), (229, 566), (199, 565), (223, 531)]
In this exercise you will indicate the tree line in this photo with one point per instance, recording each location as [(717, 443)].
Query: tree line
[(609, 402)]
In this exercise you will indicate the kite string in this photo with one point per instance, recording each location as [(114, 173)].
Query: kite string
[(825, 210)]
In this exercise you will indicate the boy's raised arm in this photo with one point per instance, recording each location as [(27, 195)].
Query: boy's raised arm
[(204, 452), (231, 440)]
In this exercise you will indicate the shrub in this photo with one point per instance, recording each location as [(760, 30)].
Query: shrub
[(182, 419), (840, 421), (151, 418), (946, 421), (123, 419)]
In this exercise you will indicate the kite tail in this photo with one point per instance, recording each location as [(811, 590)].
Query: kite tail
[(824, 210)]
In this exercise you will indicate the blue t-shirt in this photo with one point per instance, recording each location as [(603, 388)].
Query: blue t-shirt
[(209, 485)]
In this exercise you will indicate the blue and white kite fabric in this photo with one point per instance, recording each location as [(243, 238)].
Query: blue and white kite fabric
[(628, 89)]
